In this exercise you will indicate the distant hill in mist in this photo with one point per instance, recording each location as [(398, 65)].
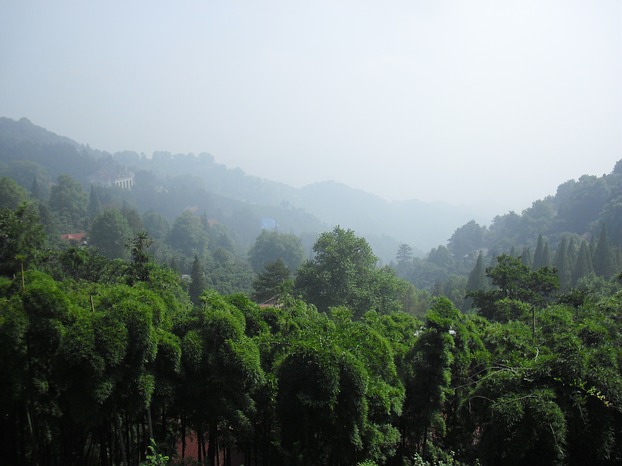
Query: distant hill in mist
[(319, 206)]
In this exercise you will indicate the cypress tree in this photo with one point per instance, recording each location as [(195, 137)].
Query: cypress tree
[(198, 282), (604, 259), (592, 245), (572, 250), (563, 265), (583, 265), (526, 258), (542, 256)]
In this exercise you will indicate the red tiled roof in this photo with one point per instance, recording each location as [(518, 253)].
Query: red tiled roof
[(73, 236)]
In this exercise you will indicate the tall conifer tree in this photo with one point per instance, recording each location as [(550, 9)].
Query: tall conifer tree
[(198, 282), (538, 257), (526, 258)]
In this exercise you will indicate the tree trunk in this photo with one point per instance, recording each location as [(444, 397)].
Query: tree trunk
[(212, 444), (120, 438)]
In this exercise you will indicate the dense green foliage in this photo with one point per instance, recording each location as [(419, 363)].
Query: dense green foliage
[(101, 355), (127, 349)]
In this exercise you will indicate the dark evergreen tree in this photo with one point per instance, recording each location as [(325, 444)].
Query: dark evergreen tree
[(198, 281), (404, 254), (542, 256), (269, 283), (139, 270)]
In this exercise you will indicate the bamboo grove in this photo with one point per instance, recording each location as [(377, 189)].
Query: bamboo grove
[(99, 356)]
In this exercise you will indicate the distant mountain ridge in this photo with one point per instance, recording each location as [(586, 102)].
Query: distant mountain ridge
[(24, 130), (385, 224)]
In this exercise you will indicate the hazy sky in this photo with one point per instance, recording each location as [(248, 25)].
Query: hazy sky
[(459, 101)]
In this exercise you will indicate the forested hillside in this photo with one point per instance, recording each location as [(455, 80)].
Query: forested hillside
[(178, 181), (578, 231), (156, 321)]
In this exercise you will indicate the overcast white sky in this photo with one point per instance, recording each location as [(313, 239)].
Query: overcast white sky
[(458, 101)]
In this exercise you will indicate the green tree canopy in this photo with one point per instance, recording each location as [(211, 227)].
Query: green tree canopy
[(69, 202), (21, 238), (11, 194), (272, 245), (514, 282), (110, 234), (343, 273), (188, 236)]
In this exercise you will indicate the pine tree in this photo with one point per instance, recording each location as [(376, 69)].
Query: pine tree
[(604, 259), (198, 282), (404, 254), (270, 282), (592, 245)]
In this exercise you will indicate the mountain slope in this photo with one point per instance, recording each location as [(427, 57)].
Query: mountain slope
[(385, 224)]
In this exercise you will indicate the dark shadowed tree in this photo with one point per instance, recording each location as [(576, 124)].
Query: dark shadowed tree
[(271, 281), (198, 281)]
